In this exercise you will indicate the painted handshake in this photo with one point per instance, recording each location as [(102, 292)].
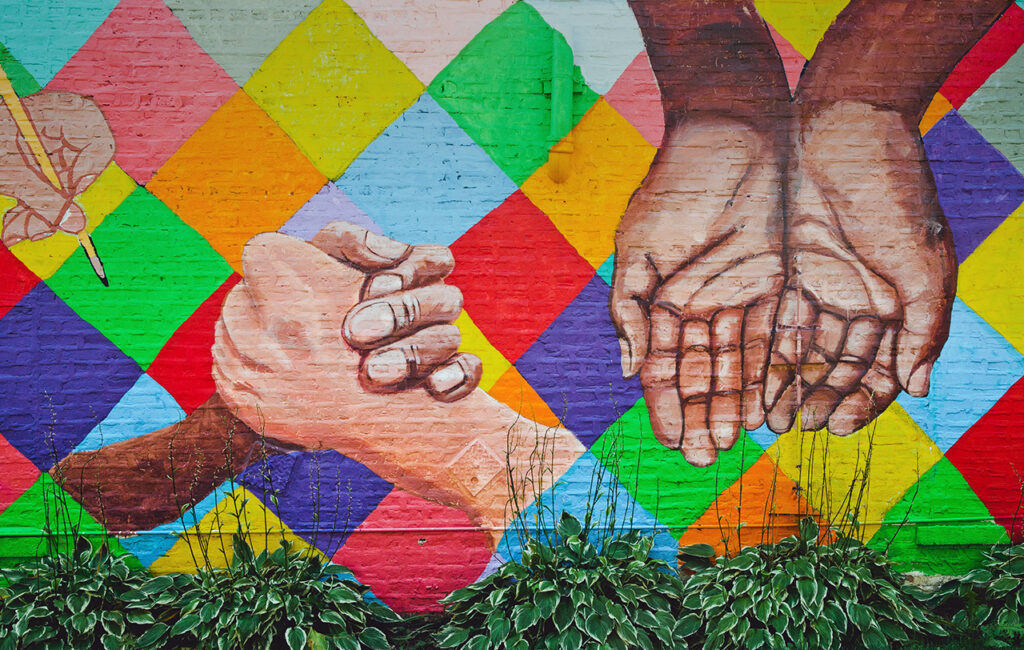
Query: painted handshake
[(754, 283)]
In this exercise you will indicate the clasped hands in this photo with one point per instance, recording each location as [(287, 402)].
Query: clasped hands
[(804, 268)]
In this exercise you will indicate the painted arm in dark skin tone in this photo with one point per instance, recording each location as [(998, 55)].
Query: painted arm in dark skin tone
[(871, 271), (924, 38), (146, 481), (699, 250)]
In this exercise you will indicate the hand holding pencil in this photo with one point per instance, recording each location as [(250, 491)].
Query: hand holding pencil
[(52, 147)]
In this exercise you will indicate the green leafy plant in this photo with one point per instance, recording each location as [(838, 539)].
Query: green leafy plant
[(988, 598), (800, 593), (287, 598), (73, 599), (570, 595)]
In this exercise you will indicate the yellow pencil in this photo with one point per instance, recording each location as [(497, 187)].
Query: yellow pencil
[(28, 131)]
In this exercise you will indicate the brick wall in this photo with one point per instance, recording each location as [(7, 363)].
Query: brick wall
[(514, 133)]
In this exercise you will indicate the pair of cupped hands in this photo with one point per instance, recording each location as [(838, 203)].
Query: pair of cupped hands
[(804, 268)]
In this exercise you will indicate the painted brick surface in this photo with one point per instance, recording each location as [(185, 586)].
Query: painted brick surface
[(608, 205)]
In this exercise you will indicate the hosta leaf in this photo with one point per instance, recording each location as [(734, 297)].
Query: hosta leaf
[(981, 614), (616, 612), (112, 642), (78, 603), (597, 627), (81, 622), (452, 638), (500, 628), (1008, 618), (836, 615), (644, 618), (808, 590), (741, 606), (156, 585), (686, 626), (763, 609), (152, 635), (332, 617), (826, 637), (893, 631), (1004, 584), (802, 568), (527, 616), (874, 640), (568, 525), (185, 624), (1016, 566), (698, 550), (346, 642), (754, 639), (571, 639), (726, 623), (373, 638), (546, 602), (564, 614), (295, 637), (860, 615), (780, 581), (139, 618), (479, 642)]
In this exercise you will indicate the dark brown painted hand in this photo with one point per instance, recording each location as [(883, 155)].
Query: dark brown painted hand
[(79, 143), (871, 273), (697, 271)]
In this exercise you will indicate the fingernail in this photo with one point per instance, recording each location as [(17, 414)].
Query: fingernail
[(384, 284), (724, 434), (700, 456), (920, 380), (447, 378), (371, 323), (387, 368), (626, 359), (385, 246)]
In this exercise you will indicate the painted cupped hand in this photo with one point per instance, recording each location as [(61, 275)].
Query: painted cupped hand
[(871, 273), (697, 274)]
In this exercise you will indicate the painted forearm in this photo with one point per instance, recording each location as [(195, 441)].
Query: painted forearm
[(895, 54), (713, 56), (146, 481)]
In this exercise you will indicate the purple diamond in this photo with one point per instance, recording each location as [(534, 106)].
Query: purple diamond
[(321, 495), (574, 366), (977, 185)]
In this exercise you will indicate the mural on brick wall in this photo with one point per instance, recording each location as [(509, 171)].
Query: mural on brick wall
[(369, 268)]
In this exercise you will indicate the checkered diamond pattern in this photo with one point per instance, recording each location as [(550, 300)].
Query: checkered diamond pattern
[(431, 121)]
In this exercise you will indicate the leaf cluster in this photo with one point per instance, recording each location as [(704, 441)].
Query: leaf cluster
[(800, 593), (991, 596), (287, 598), (570, 595), (284, 599), (73, 599)]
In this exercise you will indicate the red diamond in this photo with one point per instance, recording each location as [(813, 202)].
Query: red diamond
[(17, 280), (517, 273), (991, 458)]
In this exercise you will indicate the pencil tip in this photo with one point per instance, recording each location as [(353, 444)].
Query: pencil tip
[(105, 282)]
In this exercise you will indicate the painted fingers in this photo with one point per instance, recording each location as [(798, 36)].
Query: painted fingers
[(703, 377), (404, 324)]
